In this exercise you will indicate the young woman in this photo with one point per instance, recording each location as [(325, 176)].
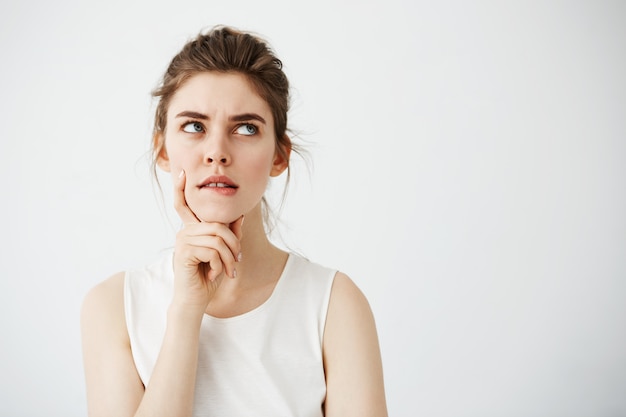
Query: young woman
[(227, 324)]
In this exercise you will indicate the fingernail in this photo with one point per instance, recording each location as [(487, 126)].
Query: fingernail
[(243, 218), (234, 273), (239, 256), (182, 172)]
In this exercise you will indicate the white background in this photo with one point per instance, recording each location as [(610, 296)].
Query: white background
[(468, 172)]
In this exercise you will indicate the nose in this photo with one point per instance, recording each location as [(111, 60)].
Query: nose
[(222, 159), (217, 151)]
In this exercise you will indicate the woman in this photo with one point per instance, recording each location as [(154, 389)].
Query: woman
[(228, 324)]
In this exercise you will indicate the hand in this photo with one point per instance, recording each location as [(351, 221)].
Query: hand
[(204, 253)]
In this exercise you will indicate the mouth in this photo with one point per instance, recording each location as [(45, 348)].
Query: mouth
[(217, 185), (221, 181)]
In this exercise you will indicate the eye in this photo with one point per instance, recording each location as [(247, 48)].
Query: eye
[(246, 129), (193, 127)]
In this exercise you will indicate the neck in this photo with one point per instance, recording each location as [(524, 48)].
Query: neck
[(258, 253), (257, 273)]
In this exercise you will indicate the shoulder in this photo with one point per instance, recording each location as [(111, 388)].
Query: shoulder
[(103, 307), (352, 361), (301, 265), (105, 293), (347, 300), (349, 318), (308, 278)]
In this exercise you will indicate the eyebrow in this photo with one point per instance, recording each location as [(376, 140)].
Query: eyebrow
[(246, 116), (236, 118), (193, 115)]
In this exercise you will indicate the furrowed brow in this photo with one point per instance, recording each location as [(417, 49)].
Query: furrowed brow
[(247, 116), (192, 115)]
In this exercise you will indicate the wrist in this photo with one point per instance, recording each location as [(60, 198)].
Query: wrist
[(185, 313)]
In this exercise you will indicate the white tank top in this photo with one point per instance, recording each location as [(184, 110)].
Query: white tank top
[(266, 362)]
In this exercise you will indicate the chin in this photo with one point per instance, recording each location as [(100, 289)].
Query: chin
[(217, 216), (217, 219)]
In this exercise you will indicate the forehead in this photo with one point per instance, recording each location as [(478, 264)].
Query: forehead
[(215, 94)]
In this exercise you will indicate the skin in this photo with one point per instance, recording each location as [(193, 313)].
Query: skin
[(214, 252)]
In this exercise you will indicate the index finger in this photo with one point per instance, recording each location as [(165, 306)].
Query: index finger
[(236, 226), (180, 203)]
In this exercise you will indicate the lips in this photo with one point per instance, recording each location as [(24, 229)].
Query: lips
[(218, 181)]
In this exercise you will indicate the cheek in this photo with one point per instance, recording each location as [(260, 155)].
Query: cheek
[(260, 168), (179, 159)]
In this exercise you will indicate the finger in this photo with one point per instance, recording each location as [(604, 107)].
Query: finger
[(206, 260), (216, 249), (215, 229), (213, 274), (236, 227), (180, 203), (215, 269)]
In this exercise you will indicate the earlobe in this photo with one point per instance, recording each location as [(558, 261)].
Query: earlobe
[(281, 159), (162, 159)]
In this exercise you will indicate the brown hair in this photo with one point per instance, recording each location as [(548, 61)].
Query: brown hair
[(224, 49)]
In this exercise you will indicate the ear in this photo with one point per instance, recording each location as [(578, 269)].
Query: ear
[(158, 144), (281, 159)]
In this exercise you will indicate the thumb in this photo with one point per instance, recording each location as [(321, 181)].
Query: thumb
[(236, 227)]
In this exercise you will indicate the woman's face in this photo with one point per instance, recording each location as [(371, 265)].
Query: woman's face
[(222, 134)]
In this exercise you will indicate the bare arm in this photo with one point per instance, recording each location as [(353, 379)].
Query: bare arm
[(204, 253), (352, 362), (113, 385)]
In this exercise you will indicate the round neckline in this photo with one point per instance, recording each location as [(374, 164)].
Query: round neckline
[(260, 307)]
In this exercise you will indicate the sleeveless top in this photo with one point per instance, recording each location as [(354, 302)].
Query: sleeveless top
[(266, 362)]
